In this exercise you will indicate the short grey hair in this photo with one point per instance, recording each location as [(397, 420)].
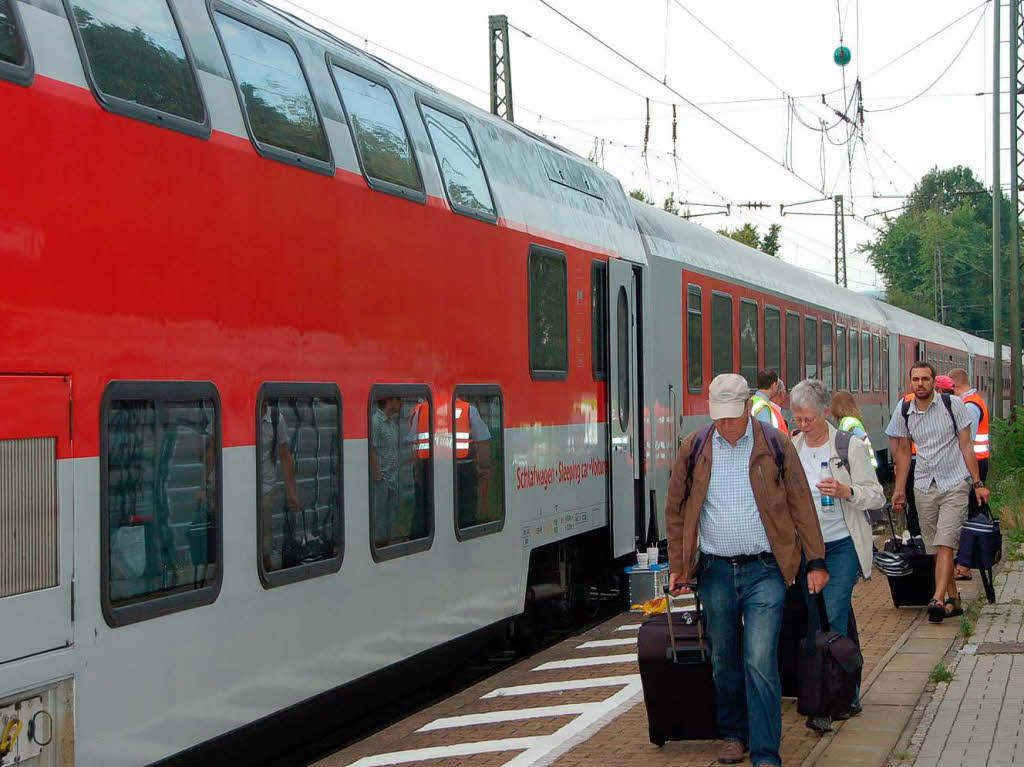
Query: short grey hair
[(811, 393)]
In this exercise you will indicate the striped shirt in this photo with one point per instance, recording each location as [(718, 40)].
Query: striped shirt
[(939, 458), (730, 524)]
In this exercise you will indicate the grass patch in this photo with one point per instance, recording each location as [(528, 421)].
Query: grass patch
[(940, 673), (901, 756), (966, 627)]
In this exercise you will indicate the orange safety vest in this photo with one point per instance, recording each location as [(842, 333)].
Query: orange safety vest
[(981, 443), (913, 447), (420, 416), (760, 403), (777, 412), (461, 429)]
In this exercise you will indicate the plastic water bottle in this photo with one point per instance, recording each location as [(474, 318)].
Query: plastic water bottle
[(827, 501)]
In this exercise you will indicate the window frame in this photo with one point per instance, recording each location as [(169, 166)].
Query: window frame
[(778, 368), (124, 107), (732, 332), (300, 572), (485, 528), (150, 607), (599, 356), (693, 289), (269, 151), (379, 184), (23, 73), (437, 106), (396, 550), (541, 374), (751, 303)]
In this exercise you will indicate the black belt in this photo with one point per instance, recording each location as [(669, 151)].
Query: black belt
[(743, 559)]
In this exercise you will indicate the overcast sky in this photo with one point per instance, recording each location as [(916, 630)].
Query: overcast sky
[(445, 42)]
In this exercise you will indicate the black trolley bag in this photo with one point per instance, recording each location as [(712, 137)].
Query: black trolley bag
[(908, 568), (792, 634), (830, 666), (674, 656)]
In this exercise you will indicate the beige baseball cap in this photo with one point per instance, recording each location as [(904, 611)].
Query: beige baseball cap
[(727, 395)]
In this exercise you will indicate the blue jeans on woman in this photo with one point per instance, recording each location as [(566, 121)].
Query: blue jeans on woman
[(743, 605), (843, 571)]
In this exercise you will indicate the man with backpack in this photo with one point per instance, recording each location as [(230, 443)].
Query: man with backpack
[(946, 470), (739, 516)]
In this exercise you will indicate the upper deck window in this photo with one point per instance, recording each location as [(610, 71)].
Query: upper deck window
[(138, 62), (548, 316), (382, 142), (15, 61), (460, 164), (278, 105)]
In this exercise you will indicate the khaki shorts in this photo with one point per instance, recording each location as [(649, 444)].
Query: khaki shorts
[(942, 515)]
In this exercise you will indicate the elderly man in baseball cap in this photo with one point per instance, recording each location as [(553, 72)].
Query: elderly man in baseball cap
[(739, 516)]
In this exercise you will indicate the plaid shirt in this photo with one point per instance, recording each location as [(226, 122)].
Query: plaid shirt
[(730, 523)]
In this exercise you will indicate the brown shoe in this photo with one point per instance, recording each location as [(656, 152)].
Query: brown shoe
[(731, 753)]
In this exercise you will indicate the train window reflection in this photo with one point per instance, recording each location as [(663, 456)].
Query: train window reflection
[(460, 164), (277, 102), (380, 136), (694, 340), (792, 348), (721, 334), (865, 361), (772, 339), (748, 342), (298, 466), (479, 460), (854, 360), (826, 354), (599, 319), (11, 49), (549, 333), (876, 364), (401, 445), (841, 361), (810, 347), (134, 52), (161, 507)]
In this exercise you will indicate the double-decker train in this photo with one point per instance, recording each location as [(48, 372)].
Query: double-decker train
[(313, 375)]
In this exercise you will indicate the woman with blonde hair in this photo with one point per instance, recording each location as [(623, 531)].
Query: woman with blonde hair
[(848, 418)]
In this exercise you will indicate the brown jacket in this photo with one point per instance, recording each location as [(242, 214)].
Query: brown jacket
[(787, 508)]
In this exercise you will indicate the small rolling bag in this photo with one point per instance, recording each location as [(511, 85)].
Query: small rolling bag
[(675, 669), (909, 569)]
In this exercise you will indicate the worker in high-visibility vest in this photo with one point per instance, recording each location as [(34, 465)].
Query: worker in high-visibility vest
[(978, 411), (762, 406), (848, 416)]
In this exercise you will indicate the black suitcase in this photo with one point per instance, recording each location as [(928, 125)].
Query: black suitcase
[(829, 667), (674, 656), (916, 586), (793, 630)]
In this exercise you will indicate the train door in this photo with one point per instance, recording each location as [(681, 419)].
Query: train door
[(36, 523), (625, 412)]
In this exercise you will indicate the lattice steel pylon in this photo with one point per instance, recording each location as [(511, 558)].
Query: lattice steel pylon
[(1016, 133), (840, 241), (501, 67)]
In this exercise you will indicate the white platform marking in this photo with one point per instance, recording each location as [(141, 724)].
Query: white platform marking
[(570, 684), (607, 643), (494, 717), (600, 660), (439, 752), (630, 627)]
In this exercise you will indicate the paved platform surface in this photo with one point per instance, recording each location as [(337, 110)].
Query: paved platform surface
[(977, 719), (580, 703)]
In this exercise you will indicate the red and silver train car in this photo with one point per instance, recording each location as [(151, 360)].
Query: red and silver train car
[(314, 374)]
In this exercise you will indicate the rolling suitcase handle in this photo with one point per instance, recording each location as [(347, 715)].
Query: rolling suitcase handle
[(672, 652)]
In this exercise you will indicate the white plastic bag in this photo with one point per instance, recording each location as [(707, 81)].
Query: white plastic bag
[(128, 552)]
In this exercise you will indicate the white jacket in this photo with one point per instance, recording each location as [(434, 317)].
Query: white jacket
[(867, 493)]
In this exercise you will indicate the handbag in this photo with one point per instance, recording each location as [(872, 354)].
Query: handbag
[(829, 665), (981, 546)]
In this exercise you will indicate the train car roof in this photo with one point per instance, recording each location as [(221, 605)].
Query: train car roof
[(915, 326), (674, 238)]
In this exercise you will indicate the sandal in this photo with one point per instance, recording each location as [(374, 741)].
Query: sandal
[(936, 611), (954, 603)]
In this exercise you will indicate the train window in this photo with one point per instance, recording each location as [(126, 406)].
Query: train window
[(161, 493), (748, 342), (624, 352), (280, 112), (479, 461), (382, 141), (721, 334), (865, 361), (549, 330), (826, 354), (298, 472), (694, 340), (772, 339), (599, 319), (15, 58), (461, 167), (876, 363), (792, 349), (841, 362), (854, 360), (401, 461), (138, 63), (810, 347)]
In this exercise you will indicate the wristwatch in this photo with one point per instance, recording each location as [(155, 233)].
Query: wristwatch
[(978, 484)]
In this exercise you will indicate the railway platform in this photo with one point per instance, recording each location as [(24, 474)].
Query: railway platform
[(580, 702)]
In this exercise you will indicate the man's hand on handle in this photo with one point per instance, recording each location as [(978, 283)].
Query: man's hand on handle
[(899, 499), (677, 585), (982, 494), (816, 580)]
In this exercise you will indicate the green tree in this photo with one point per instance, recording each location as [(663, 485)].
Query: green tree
[(639, 194), (748, 235), (770, 242), (670, 205)]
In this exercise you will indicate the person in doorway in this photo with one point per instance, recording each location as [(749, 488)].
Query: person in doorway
[(945, 472), (848, 418), (978, 411), (762, 405), (740, 516), (843, 492)]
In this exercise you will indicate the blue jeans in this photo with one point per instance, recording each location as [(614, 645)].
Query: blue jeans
[(744, 654)]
